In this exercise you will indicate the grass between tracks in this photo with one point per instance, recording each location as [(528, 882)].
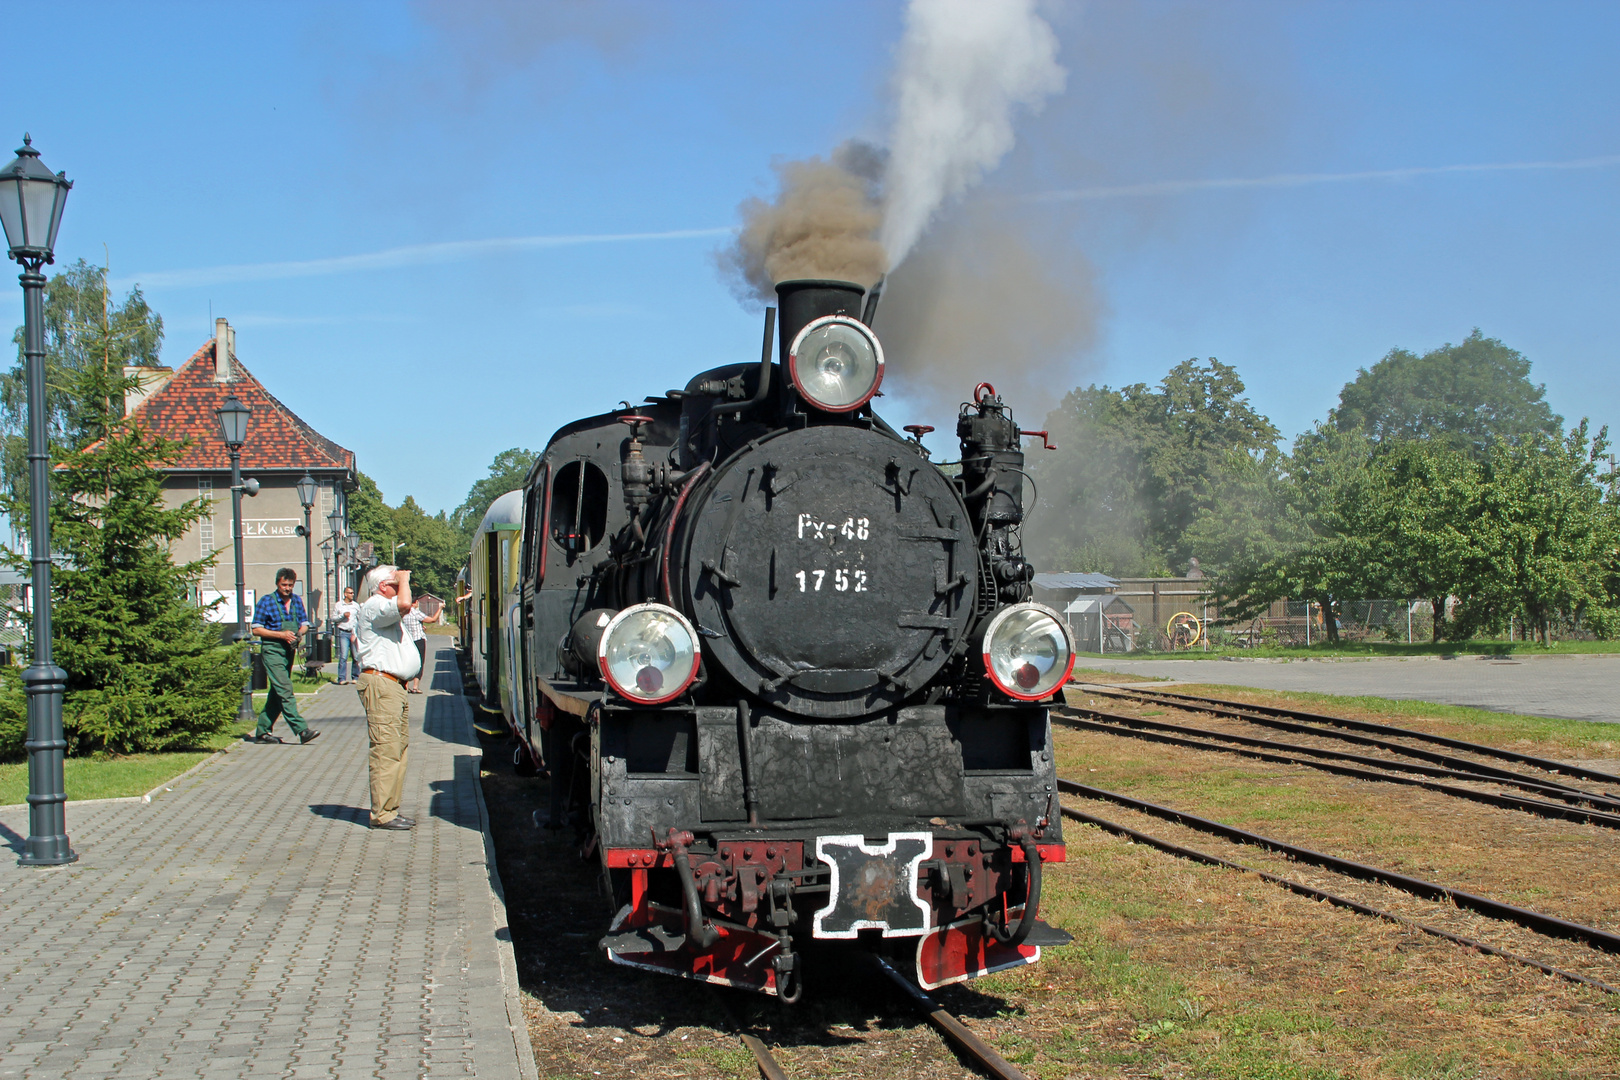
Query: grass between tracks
[(1183, 970)]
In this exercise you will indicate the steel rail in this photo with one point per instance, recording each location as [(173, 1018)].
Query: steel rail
[(1526, 783), (1548, 925), (1238, 711), (1311, 892), (1217, 705), (951, 1027), (1297, 755), (769, 1068)]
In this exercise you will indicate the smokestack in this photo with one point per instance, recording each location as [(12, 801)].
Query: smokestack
[(224, 351), (803, 302)]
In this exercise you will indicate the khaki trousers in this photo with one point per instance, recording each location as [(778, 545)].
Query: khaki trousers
[(388, 715)]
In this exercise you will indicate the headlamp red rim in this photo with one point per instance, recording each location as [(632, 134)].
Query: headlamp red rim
[(990, 669), (607, 634), (793, 361)]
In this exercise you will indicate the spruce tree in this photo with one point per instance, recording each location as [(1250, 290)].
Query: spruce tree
[(146, 672)]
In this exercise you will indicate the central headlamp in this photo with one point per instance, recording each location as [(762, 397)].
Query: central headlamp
[(648, 653), (1027, 651), (836, 363)]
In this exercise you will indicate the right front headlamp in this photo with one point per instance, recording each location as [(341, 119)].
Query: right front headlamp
[(836, 363), (1027, 651)]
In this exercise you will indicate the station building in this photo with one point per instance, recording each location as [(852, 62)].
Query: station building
[(280, 449)]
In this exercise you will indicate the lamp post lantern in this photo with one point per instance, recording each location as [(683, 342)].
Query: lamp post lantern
[(233, 426), (31, 200)]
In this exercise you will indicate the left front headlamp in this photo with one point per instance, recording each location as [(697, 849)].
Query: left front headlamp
[(648, 653), (836, 363), (1027, 651)]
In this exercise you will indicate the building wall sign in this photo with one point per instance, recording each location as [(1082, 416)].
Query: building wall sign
[(267, 528)]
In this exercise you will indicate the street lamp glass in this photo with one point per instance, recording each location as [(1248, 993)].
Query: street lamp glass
[(306, 491), (31, 201), (233, 422), (334, 522)]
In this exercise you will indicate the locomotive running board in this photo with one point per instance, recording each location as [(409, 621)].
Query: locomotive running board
[(740, 958), (962, 950)]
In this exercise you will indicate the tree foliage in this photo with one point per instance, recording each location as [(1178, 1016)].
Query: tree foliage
[(145, 671), (83, 330), (1136, 467), (1463, 396), (434, 549), (506, 473)]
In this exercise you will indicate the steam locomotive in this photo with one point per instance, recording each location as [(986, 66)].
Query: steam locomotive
[(783, 669)]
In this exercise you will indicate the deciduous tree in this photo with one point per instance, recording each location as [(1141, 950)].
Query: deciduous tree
[(1463, 396)]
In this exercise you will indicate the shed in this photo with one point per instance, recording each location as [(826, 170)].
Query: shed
[(1102, 623)]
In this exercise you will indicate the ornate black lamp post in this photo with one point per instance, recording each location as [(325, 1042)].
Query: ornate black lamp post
[(31, 200), (233, 426), (306, 496), (334, 536)]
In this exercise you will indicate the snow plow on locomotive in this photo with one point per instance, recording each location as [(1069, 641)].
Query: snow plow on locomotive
[(784, 670)]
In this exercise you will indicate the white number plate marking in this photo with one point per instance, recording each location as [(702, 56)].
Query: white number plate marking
[(851, 528), (843, 580)]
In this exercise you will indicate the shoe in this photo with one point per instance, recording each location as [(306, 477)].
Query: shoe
[(398, 824), (309, 736), (410, 822), (267, 738)]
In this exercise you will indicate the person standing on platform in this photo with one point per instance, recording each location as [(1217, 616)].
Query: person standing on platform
[(412, 622), (278, 621), (348, 658), (388, 661)]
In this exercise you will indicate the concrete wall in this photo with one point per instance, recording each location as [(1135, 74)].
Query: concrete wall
[(269, 529)]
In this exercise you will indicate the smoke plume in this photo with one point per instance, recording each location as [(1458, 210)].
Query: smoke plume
[(823, 224), (988, 294), (965, 67)]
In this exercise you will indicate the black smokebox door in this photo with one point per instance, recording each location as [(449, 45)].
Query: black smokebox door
[(841, 565)]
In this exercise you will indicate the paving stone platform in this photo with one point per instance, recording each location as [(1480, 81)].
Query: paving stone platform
[(249, 923)]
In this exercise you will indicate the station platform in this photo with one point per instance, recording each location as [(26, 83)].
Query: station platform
[(248, 922)]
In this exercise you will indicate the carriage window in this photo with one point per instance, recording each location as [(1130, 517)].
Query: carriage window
[(579, 501), (532, 547)]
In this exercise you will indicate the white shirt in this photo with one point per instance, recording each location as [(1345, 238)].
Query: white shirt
[(382, 641), (345, 612)]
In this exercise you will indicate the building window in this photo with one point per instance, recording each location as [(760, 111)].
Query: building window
[(205, 529)]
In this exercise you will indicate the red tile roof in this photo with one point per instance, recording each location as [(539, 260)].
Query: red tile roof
[(277, 438)]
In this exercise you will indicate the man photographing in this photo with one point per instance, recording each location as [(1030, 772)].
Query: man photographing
[(388, 660), (278, 620)]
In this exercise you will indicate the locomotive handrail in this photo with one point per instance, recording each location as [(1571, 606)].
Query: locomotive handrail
[(764, 386)]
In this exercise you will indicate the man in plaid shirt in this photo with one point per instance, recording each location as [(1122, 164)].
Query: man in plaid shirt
[(278, 620)]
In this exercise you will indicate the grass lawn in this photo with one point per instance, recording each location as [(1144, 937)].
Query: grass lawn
[(122, 776)]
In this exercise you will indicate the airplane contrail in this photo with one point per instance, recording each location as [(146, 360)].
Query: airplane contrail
[(455, 250), (1176, 187), (391, 258)]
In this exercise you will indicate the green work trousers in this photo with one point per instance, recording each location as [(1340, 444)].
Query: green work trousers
[(278, 661)]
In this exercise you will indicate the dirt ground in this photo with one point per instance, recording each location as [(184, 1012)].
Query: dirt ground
[(1177, 970)]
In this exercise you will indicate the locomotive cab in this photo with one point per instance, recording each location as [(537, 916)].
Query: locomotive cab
[(790, 678)]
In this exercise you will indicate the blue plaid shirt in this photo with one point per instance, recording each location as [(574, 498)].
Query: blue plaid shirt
[(269, 613)]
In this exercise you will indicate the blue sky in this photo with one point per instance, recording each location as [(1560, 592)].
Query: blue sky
[(359, 189)]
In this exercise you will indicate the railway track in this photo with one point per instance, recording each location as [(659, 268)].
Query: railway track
[(1314, 893), (955, 1033), (1315, 723), (1405, 764), (1538, 922)]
